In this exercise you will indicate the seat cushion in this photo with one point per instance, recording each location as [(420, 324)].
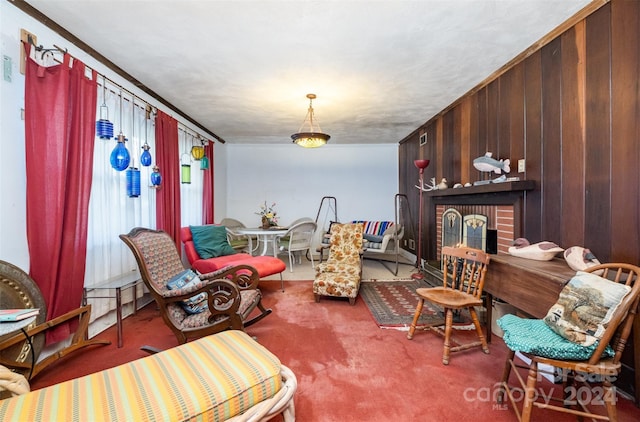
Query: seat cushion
[(265, 265), (212, 378), (535, 337), (336, 284)]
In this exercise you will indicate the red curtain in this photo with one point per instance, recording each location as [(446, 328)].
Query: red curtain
[(60, 115), (207, 187), (167, 158)]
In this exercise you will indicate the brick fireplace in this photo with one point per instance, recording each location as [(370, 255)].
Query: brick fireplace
[(499, 218), (501, 203)]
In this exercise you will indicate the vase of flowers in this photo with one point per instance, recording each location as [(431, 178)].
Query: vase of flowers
[(268, 215)]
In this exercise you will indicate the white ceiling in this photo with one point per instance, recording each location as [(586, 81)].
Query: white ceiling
[(242, 69)]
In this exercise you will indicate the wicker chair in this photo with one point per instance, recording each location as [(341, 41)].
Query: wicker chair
[(232, 292), (296, 240)]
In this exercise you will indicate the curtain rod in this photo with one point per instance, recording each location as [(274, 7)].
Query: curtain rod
[(45, 20)]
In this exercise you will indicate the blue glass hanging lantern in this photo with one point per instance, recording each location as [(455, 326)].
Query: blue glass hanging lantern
[(120, 156), (104, 128), (145, 158), (133, 182), (156, 178)]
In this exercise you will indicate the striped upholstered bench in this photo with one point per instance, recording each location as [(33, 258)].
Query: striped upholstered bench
[(226, 376)]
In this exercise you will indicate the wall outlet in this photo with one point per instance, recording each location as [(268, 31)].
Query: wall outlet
[(412, 244), (521, 166)]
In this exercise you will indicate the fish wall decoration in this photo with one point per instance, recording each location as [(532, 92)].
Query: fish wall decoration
[(487, 163)]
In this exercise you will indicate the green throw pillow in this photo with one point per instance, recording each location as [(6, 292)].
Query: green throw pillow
[(585, 307), (210, 241)]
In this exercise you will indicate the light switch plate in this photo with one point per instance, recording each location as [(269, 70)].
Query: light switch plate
[(521, 166), (6, 68)]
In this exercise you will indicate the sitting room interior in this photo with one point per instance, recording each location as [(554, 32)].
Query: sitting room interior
[(208, 100)]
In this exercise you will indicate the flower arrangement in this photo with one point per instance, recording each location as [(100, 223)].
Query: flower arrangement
[(268, 214)]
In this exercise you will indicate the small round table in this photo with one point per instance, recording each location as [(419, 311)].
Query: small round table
[(266, 236)]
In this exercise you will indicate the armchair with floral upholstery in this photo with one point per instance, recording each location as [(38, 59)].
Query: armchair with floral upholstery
[(341, 274)]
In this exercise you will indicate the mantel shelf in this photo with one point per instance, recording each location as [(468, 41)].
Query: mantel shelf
[(521, 185)]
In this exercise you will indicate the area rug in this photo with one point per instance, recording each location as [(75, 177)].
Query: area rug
[(393, 303)]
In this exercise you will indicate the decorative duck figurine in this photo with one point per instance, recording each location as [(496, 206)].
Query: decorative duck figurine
[(443, 184), (541, 251), (579, 258)]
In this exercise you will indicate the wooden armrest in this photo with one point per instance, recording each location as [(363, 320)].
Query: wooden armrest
[(244, 276)]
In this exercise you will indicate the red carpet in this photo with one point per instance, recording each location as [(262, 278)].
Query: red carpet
[(347, 367)]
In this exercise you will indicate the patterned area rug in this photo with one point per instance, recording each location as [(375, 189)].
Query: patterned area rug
[(393, 303)]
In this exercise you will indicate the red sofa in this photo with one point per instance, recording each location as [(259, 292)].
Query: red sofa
[(265, 265)]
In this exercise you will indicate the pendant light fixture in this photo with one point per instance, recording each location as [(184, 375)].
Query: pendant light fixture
[(120, 156), (133, 174), (145, 158), (310, 135), (197, 151), (104, 128), (156, 178), (133, 182), (204, 162)]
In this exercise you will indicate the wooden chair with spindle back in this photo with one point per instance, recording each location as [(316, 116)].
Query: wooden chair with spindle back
[(464, 270)]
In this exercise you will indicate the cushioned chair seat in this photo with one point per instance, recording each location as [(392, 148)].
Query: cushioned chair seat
[(534, 336), (194, 321), (339, 284), (213, 378)]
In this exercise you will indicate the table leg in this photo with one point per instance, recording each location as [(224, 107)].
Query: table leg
[(134, 290), (488, 303), (119, 315)]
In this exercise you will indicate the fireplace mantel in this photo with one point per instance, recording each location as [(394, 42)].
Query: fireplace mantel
[(502, 203), (491, 188)]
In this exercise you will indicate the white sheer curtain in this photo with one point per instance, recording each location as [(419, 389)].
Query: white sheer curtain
[(111, 211), (190, 193)]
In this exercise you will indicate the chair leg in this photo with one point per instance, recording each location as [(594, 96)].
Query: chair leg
[(610, 400), (506, 372), (290, 262), (476, 323), (447, 335), (416, 316), (529, 392)]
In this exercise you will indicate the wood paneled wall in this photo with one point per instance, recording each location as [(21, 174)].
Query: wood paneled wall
[(571, 109)]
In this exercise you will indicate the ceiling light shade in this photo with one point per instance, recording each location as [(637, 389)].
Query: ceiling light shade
[(310, 135)]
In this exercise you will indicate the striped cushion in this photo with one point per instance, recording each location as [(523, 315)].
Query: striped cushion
[(213, 378), (376, 228)]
